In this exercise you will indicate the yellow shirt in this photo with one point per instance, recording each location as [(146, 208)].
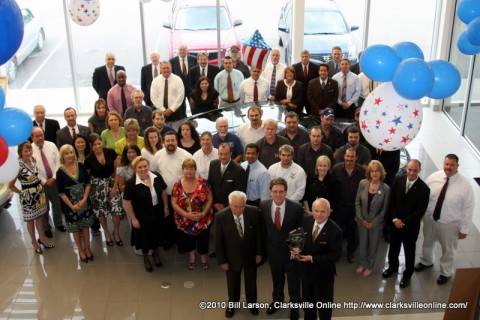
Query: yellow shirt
[(120, 145)]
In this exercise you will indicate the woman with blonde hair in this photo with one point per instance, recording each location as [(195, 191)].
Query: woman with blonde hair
[(321, 186)]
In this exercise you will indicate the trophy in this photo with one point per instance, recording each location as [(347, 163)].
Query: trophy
[(296, 239)]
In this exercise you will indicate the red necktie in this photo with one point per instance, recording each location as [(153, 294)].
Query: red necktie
[(46, 165), (255, 92), (229, 89), (441, 197), (277, 222), (305, 72)]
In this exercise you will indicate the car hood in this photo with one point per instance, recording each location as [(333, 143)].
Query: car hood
[(204, 39), (323, 43)]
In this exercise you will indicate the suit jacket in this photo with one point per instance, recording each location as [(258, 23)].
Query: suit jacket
[(230, 247), (177, 69), (331, 68), (326, 250), (64, 136), (195, 73), (411, 206), (281, 93), (100, 81), (51, 128), (234, 178), (312, 74), (276, 247), (378, 207), (320, 98), (146, 78)]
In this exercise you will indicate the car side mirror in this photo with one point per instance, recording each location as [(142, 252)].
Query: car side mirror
[(167, 25), (283, 29), (353, 28), (237, 22)]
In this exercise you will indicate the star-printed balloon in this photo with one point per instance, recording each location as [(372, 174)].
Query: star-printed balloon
[(387, 120), (84, 12)]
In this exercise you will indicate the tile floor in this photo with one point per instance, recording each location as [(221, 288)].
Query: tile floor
[(56, 285)]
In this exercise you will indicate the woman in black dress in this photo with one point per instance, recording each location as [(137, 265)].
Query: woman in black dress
[(145, 201), (321, 186), (188, 137), (204, 97)]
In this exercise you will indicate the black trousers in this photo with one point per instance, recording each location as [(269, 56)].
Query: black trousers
[(317, 293), (408, 237), (279, 269), (234, 284)]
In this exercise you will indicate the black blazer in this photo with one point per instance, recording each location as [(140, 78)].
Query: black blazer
[(177, 69), (276, 247), (195, 73), (326, 250), (100, 81), (232, 249), (281, 93), (312, 74), (146, 79), (234, 178), (51, 128), (64, 136), (320, 98)]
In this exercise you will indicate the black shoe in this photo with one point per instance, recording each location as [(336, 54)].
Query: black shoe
[(419, 267), (50, 246), (62, 229), (294, 314), (388, 273), (271, 309), (229, 312), (212, 255), (146, 262), (350, 256), (442, 279), (84, 260), (253, 311), (156, 258), (90, 258), (405, 282), (48, 233)]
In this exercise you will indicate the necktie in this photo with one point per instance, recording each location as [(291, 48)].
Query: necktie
[(124, 100), (315, 232), (278, 224), (110, 77), (184, 67), (165, 94), (305, 72), (239, 227), (409, 184), (203, 72), (273, 80), (247, 172), (441, 197), (222, 168), (74, 134), (336, 67), (46, 165), (42, 125), (155, 72), (344, 88), (229, 89), (255, 92), (323, 84)]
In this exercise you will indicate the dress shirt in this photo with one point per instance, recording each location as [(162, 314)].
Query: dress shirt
[(258, 183), (247, 134), (353, 87), (294, 175), (282, 211), (459, 200), (367, 85), (267, 72), (203, 161), (220, 83), (114, 99), (53, 157), (246, 90), (170, 165), (77, 130), (176, 92)]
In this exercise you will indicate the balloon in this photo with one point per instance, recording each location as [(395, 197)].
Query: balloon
[(3, 150), (473, 32), (378, 62), (11, 29), (407, 50), (15, 126), (465, 46), (2, 98), (9, 170), (413, 79), (447, 79), (467, 10), (389, 121), (84, 12)]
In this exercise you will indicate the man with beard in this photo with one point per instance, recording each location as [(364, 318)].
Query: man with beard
[(119, 98), (67, 133), (252, 131), (139, 111), (363, 154), (223, 136)]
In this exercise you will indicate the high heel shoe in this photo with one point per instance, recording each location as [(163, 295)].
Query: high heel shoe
[(118, 242), (49, 246), (84, 260), (39, 250), (90, 258), (156, 258), (146, 262)]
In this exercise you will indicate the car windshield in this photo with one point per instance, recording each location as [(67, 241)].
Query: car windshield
[(201, 18), (324, 22)]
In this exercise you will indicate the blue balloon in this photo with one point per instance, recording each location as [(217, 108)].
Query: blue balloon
[(473, 32), (2, 98), (447, 79), (11, 29), (379, 62), (413, 79), (406, 50), (467, 10), (465, 46), (15, 126)]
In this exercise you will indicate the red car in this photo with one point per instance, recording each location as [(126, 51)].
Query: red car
[(194, 23)]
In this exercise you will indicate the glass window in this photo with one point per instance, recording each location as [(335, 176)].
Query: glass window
[(472, 129)]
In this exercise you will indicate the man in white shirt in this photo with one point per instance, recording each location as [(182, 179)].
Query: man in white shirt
[(273, 72), (349, 90), (252, 131), (254, 89)]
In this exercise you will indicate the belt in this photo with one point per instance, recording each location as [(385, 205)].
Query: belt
[(231, 101)]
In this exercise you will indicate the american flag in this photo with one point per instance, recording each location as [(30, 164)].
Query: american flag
[(255, 51)]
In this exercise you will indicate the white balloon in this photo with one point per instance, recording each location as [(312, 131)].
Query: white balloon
[(9, 169), (84, 12), (387, 120)]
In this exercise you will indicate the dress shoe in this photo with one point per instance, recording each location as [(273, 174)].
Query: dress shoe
[(271, 309), (229, 312), (47, 246), (405, 282), (442, 279), (388, 273), (253, 311), (48, 233), (62, 229), (147, 264), (350, 256), (294, 314), (419, 267)]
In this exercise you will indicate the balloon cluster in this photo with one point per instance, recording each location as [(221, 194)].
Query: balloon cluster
[(84, 12), (11, 29), (468, 11)]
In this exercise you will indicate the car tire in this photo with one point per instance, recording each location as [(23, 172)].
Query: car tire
[(40, 40), (12, 69)]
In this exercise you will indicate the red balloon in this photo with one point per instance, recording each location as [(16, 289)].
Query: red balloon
[(3, 150)]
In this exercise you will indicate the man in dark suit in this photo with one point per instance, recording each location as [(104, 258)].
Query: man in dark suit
[(238, 244), (280, 216), (147, 74), (181, 64), (202, 69), (323, 248), (67, 133), (49, 126), (104, 76), (322, 92), (334, 63), (408, 203), (304, 72)]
